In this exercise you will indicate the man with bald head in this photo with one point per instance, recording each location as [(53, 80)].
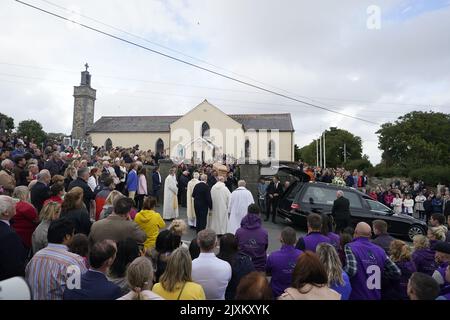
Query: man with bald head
[(341, 211), (366, 264)]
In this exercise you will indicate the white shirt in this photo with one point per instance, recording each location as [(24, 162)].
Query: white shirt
[(92, 183), (213, 274), (409, 204)]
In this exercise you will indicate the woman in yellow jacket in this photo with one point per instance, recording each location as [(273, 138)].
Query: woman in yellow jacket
[(176, 281), (150, 221)]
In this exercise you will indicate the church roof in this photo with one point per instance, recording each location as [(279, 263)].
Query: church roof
[(280, 121)]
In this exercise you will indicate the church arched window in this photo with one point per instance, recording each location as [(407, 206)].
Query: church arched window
[(271, 149), (159, 146), (180, 151), (247, 148), (108, 144), (205, 130)]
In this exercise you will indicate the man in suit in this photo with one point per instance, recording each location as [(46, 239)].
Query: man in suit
[(12, 251), (156, 180), (81, 181), (118, 225), (212, 179), (202, 202), (40, 191), (274, 191), (182, 187), (341, 211), (94, 284)]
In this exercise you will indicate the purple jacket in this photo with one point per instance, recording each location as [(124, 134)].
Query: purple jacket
[(253, 240), (280, 265), (424, 261), (371, 259), (311, 240), (335, 240)]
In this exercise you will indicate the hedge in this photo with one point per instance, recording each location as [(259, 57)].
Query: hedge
[(432, 176)]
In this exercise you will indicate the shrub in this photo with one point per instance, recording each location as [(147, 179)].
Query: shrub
[(380, 171), (432, 176), (360, 164)]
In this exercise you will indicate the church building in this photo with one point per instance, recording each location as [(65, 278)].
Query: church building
[(205, 133)]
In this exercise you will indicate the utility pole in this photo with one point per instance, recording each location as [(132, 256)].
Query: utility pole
[(317, 152), (320, 151), (324, 151), (345, 152)]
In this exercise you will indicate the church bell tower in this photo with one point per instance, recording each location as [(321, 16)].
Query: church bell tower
[(83, 110)]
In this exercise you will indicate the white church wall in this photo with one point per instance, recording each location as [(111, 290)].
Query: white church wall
[(188, 128)]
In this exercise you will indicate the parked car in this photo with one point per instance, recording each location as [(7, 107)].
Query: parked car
[(304, 197)]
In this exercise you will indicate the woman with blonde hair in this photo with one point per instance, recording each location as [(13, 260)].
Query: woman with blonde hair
[(109, 203), (423, 255), (26, 218), (50, 212), (176, 281), (139, 277), (338, 279), (436, 234), (396, 289), (73, 209), (150, 221), (70, 175)]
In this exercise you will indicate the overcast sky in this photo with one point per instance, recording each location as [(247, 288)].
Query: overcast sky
[(318, 51)]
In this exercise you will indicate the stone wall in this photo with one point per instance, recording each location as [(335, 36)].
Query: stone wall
[(83, 111)]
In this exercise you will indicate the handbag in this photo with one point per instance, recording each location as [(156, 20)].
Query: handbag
[(181, 291)]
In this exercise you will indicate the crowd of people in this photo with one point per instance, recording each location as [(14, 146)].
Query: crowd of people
[(76, 227), (411, 198)]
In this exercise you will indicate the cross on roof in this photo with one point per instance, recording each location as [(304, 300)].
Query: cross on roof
[(86, 66)]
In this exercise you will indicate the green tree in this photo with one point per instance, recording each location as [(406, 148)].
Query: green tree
[(51, 136), (335, 139), (415, 140), (32, 130), (8, 121)]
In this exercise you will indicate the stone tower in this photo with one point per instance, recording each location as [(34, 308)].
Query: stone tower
[(83, 110)]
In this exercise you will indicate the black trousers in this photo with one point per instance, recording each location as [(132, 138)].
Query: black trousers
[(183, 195), (341, 224), (139, 201), (272, 209), (201, 218)]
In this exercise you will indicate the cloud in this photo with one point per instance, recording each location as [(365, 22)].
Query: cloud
[(319, 49)]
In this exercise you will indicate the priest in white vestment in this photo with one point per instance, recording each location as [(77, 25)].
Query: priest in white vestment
[(218, 215), (190, 201), (170, 209), (240, 199)]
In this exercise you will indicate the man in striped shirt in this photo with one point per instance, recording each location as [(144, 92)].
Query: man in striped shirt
[(54, 267)]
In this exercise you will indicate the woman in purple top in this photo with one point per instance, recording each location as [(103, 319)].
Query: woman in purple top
[(253, 239), (423, 256), (396, 289), (338, 279)]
